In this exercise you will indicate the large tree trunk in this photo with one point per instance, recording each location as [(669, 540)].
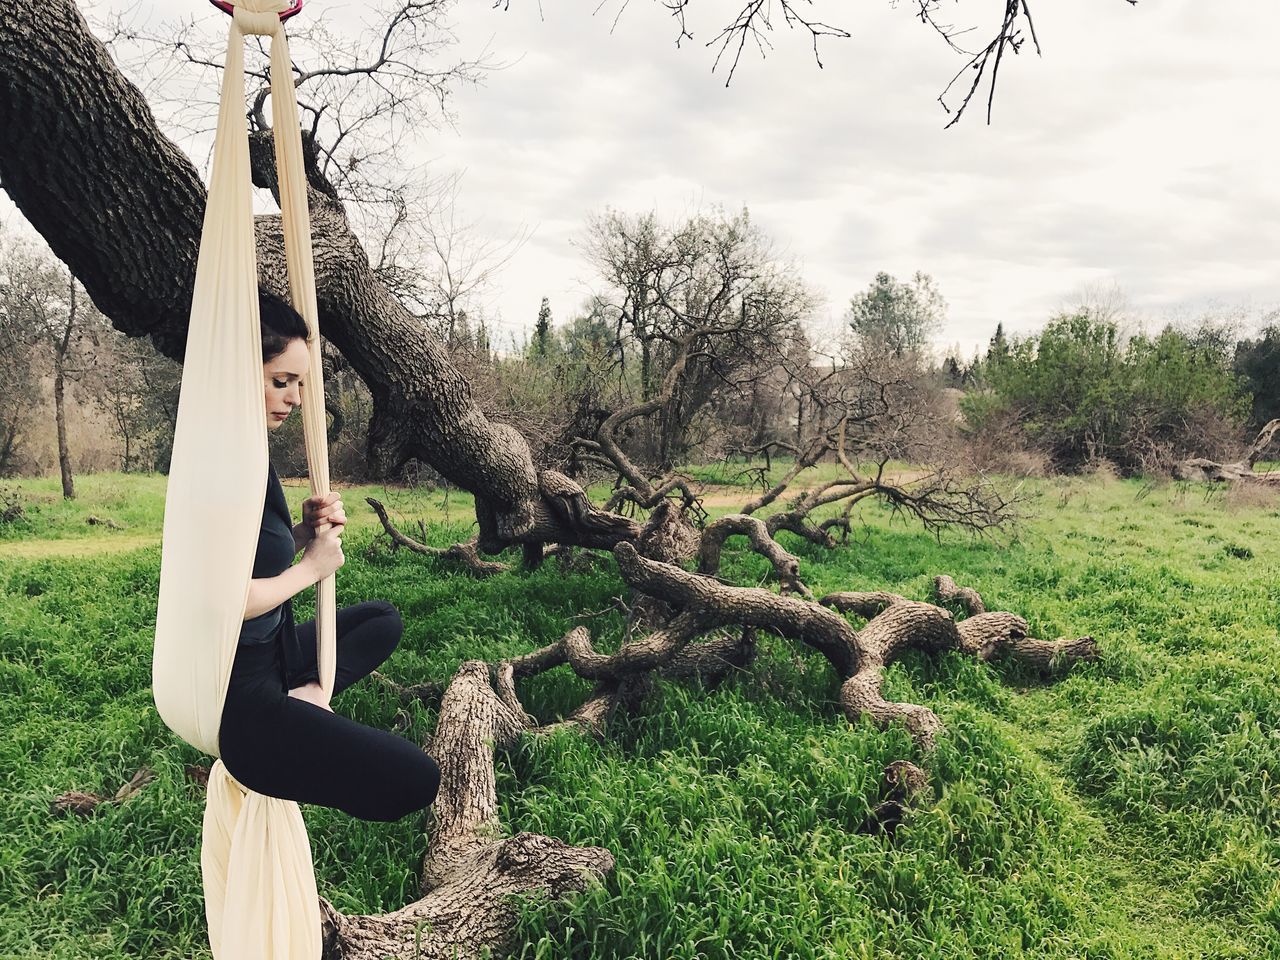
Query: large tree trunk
[(123, 207), (470, 873)]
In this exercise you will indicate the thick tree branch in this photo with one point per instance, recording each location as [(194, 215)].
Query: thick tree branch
[(472, 875), (121, 205)]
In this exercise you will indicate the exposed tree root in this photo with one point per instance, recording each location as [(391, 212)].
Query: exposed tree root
[(470, 871), (711, 661), (865, 604), (572, 510), (669, 535), (472, 875), (621, 678), (859, 657), (999, 636), (798, 522), (717, 604), (465, 555), (703, 604), (785, 565), (902, 787), (946, 590)]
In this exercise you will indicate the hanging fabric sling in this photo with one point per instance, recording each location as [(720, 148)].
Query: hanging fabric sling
[(259, 883)]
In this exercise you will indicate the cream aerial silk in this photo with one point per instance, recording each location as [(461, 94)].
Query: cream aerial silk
[(259, 883)]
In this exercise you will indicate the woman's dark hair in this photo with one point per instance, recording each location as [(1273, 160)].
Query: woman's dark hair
[(280, 323)]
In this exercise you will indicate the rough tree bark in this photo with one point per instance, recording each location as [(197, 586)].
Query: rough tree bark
[(470, 870)]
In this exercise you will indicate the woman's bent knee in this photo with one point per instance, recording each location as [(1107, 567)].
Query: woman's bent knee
[(390, 622), (418, 788), (422, 783), (431, 781), (394, 618), (413, 790)]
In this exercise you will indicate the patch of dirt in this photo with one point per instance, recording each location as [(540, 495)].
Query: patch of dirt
[(75, 547), (723, 495)]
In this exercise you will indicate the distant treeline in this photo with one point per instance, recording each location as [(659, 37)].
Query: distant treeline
[(1079, 392), (704, 326)]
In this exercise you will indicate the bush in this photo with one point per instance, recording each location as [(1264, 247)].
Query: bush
[(11, 507), (1081, 394)]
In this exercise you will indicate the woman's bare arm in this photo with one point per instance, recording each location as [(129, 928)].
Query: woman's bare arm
[(267, 593)]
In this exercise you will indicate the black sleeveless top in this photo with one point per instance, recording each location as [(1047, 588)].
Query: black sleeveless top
[(275, 556)]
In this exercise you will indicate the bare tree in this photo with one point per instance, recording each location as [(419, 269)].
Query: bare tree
[(138, 388), (707, 303), (42, 297), (872, 414), (455, 264), (19, 396), (363, 97), (20, 371)]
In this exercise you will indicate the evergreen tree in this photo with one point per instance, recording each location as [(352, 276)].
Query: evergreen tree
[(459, 331), (542, 332), (1257, 362), (999, 346)]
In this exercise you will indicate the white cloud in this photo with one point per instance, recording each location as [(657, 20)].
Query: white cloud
[(1139, 149), (1136, 150)]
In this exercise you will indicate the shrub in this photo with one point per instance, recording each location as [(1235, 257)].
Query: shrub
[(1082, 394)]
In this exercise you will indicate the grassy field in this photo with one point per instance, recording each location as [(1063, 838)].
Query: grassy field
[(1128, 811)]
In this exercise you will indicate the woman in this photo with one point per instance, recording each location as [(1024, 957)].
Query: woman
[(279, 736)]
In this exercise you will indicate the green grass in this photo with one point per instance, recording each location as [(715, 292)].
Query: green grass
[(1128, 811), (134, 503)]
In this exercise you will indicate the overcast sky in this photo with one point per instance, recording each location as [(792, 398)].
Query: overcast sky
[(1140, 151)]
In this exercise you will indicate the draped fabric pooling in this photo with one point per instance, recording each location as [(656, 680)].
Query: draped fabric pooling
[(259, 883)]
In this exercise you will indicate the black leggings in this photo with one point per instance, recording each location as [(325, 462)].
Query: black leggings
[(281, 746)]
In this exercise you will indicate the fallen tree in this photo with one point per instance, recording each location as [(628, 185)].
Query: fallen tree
[(467, 874), (122, 206), (1202, 470)]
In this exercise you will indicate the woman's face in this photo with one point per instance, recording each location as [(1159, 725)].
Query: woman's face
[(282, 376)]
